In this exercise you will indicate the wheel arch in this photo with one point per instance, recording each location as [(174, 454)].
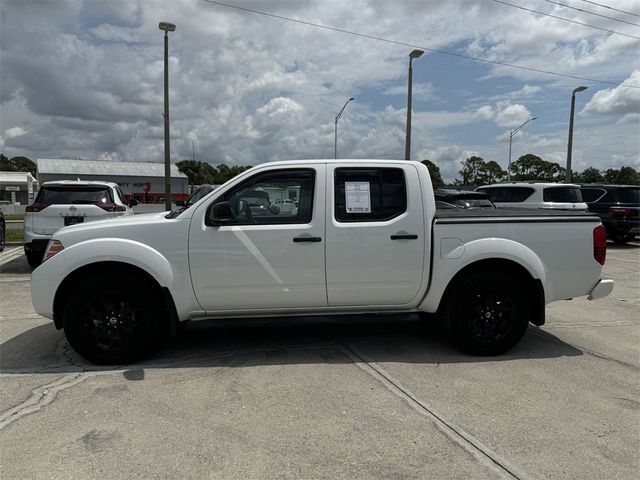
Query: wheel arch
[(532, 285), (80, 274)]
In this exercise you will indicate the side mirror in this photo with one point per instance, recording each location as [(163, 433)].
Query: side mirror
[(179, 203), (133, 202), (221, 213)]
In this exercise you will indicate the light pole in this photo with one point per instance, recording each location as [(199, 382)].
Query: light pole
[(335, 131), (167, 27), (511, 134), (567, 178), (407, 142)]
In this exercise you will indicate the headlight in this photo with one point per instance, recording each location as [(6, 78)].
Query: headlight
[(54, 247)]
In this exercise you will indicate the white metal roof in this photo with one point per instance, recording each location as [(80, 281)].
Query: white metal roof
[(97, 167), (15, 177)]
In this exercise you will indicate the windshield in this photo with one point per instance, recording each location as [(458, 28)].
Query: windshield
[(474, 203), (74, 195), (562, 194)]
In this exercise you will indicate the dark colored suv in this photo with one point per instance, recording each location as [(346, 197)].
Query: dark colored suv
[(618, 206), (462, 198)]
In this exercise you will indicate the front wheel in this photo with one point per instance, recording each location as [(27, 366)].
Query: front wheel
[(109, 323), (489, 313)]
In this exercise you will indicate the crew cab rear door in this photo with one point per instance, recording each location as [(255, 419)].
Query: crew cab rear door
[(375, 234)]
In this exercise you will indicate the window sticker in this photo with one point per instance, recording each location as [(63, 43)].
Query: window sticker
[(358, 197)]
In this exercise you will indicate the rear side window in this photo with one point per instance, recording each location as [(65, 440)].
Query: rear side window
[(592, 194), (508, 194), (74, 195), (369, 194), (629, 195), (562, 194)]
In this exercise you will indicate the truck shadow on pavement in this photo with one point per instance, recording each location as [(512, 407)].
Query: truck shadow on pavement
[(332, 340)]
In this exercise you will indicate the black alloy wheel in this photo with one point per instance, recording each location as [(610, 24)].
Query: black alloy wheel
[(489, 313), (108, 323)]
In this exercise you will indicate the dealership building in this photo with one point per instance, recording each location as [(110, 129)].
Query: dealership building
[(143, 181)]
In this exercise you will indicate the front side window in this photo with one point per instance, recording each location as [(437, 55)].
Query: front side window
[(562, 194), (369, 194), (260, 199)]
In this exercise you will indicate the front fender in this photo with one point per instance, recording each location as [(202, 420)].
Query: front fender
[(119, 250), (448, 261), (46, 279)]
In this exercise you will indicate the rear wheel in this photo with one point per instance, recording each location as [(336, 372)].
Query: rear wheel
[(108, 323), (489, 313)]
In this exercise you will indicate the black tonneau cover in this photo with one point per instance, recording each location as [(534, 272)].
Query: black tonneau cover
[(511, 215)]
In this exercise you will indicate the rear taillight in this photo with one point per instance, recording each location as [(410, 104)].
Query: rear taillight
[(600, 244), (620, 213), (36, 207), (112, 207)]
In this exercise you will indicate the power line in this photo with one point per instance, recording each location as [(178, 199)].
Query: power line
[(611, 8), (592, 13), (565, 19), (433, 50)]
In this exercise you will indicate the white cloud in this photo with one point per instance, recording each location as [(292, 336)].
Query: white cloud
[(620, 100), (419, 91), (13, 132), (511, 115)]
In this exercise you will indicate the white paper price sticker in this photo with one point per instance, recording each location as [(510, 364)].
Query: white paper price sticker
[(358, 197)]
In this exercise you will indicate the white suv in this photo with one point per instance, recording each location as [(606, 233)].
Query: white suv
[(552, 196), (68, 202)]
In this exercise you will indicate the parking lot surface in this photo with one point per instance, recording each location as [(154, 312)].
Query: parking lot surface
[(340, 397)]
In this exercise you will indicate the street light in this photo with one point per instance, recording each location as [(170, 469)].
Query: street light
[(167, 27), (407, 143), (511, 134), (335, 131), (570, 143)]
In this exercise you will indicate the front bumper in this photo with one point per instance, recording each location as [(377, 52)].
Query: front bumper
[(602, 289)]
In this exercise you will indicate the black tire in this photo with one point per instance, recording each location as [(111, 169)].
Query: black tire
[(488, 313), (2, 235), (109, 323), (622, 239), (34, 259)]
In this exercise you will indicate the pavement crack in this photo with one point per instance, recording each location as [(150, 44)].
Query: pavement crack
[(464, 439), (40, 397)]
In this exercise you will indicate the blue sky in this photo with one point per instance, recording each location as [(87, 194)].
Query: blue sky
[(84, 79)]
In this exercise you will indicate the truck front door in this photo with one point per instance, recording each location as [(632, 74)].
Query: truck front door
[(266, 257)]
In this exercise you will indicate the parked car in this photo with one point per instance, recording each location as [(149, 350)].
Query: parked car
[(463, 198), (3, 230), (550, 196), (618, 206), (365, 238), (68, 202)]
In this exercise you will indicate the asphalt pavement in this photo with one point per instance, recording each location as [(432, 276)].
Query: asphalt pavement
[(341, 397)]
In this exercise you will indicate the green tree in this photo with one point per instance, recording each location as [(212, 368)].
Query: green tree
[(532, 167), (197, 172), (434, 172), (17, 164), (472, 171), (492, 173), (589, 175), (623, 176)]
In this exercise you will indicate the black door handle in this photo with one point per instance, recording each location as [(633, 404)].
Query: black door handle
[(307, 239), (404, 237)]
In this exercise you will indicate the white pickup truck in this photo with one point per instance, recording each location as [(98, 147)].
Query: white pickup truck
[(361, 237)]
